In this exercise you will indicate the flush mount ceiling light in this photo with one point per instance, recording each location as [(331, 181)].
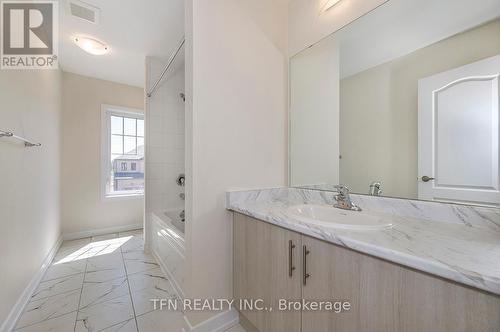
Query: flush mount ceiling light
[(91, 45), (329, 4)]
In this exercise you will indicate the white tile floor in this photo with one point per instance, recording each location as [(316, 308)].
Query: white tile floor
[(103, 283)]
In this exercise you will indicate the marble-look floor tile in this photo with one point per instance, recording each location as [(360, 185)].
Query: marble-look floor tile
[(147, 285), (67, 258), (105, 314), (50, 307), (153, 278), (104, 275), (96, 270), (137, 233), (133, 244), (72, 255), (139, 256), (237, 328), (96, 292), (139, 266), (103, 262), (65, 323), (65, 252), (105, 268), (127, 326), (143, 301), (101, 250), (104, 237), (75, 243), (59, 270), (161, 320), (73, 247), (58, 286), (138, 261)]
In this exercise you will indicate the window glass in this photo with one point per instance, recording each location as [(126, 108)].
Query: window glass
[(140, 128), (116, 144), (117, 125), (129, 145), (140, 142), (124, 175), (129, 127)]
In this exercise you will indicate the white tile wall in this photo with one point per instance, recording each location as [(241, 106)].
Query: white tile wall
[(165, 141)]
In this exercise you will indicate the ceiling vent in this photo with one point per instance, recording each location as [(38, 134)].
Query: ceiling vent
[(84, 11)]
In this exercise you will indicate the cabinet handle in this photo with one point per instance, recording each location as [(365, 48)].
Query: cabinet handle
[(306, 275), (291, 246)]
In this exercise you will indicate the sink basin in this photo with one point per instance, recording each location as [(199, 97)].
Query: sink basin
[(329, 216)]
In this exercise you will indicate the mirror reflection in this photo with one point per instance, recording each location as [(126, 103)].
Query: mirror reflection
[(403, 102)]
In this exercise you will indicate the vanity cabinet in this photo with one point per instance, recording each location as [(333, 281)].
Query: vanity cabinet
[(262, 265), (384, 296)]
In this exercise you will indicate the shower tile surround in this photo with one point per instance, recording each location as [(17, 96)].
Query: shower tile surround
[(165, 152), (165, 139), (456, 242)]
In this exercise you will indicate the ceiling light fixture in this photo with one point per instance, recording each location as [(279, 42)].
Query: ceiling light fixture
[(91, 45), (329, 4)]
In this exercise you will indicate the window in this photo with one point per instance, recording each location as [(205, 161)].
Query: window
[(122, 145)]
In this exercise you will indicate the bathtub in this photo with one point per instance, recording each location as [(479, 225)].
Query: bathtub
[(176, 219), (168, 245)]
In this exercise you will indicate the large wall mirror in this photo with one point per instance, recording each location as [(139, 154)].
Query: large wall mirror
[(403, 102)]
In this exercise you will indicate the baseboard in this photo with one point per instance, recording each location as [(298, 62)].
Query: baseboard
[(164, 268), (9, 324), (101, 231), (218, 323)]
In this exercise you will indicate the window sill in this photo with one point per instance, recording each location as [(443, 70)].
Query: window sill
[(115, 198)]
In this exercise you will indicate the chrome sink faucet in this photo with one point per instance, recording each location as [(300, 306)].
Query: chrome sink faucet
[(343, 199)]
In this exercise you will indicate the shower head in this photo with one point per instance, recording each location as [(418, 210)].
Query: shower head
[(183, 96)]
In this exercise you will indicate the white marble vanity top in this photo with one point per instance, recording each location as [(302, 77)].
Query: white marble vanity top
[(459, 243)]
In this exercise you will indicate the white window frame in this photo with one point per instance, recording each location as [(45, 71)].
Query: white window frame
[(106, 112)]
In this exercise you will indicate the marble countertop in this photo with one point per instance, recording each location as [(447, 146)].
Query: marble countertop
[(462, 251)]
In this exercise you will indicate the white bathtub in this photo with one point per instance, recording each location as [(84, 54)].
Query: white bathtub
[(176, 219), (167, 244)]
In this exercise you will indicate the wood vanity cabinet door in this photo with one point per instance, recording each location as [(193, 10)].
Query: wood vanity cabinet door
[(388, 297), (261, 271), (334, 274)]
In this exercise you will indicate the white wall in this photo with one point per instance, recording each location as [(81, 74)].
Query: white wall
[(314, 115), (82, 207), (236, 83), (165, 138), (308, 24), (30, 106)]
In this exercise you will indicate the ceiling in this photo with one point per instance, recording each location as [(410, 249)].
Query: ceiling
[(133, 30), (400, 27)]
